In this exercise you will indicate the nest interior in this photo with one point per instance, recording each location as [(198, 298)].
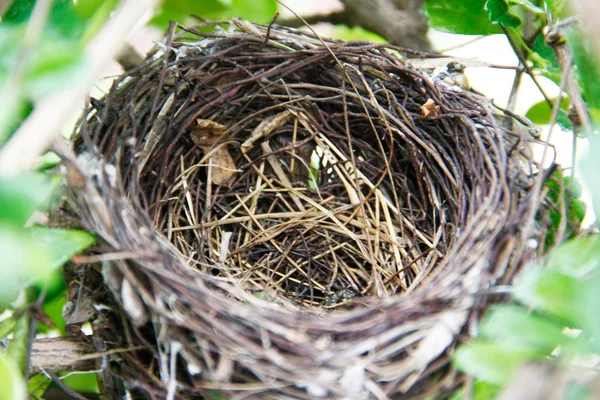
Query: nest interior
[(296, 217)]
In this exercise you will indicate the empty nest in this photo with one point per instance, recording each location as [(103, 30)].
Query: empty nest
[(287, 217)]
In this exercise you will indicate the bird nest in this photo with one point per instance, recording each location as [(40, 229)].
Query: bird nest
[(286, 217)]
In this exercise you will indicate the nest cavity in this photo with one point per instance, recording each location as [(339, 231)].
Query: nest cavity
[(261, 176)]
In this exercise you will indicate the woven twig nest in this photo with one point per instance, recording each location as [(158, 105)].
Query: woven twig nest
[(283, 217)]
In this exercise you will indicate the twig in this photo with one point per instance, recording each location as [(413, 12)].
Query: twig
[(523, 61), (556, 40)]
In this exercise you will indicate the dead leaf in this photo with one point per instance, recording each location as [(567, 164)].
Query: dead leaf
[(207, 135), (207, 132), (430, 108)]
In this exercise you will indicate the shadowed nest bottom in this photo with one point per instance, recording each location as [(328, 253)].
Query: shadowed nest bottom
[(295, 218)]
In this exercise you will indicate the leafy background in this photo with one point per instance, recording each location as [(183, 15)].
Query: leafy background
[(551, 317)]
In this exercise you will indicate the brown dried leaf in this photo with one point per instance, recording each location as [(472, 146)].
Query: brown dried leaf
[(207, 132), (430, 108), (223, 166)]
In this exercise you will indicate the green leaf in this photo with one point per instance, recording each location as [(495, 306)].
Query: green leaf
[(514, 327), (22, 262), (37, 385), (551, 291), (17, 347), (62, 18), (46, 161), (53, 310), (54, 62), (6, 326), (22, 195), (489, 362), (180, 11), (261, 11), (19, 11), (577, 258), (541, 112), (343, 32), (98, 19), (86, 8), (468, 17), (86, 382), (588, 67), (528, 5), (61, 244), (500, 14), (12, 386), (481, 391)]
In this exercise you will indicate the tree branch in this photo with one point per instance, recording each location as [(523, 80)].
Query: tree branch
[(400, 22), (62, 354)]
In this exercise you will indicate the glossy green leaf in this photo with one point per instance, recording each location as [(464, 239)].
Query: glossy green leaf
[(12, 386), (86, 382), (489, 362), (529, 6), (540, 114), (551, 291), (544, 51), (61, 244), (22, 195), (577, 258), (468, 17), (513, 327), (500, 13), (37, 385), (261, 11)]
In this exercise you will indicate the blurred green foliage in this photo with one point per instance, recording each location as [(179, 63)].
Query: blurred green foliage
[(562, 295)]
